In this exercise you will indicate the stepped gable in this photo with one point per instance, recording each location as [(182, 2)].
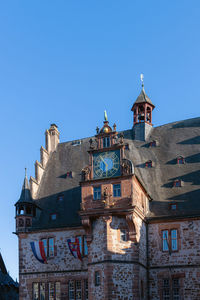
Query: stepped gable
[(173, 140)]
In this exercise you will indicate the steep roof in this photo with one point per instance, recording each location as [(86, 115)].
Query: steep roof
[(5, 279), (25, 196), (142, 98), (173, 140)]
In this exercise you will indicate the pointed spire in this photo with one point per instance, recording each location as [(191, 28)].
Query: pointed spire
[(25, 193), (2, 265)]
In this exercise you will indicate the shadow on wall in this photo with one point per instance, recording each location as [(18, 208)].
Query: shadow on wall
[(65, 205)]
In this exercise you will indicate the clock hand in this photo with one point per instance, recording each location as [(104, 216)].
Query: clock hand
[(106, 165)]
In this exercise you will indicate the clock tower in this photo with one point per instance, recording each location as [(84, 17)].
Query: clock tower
[(113, 206)]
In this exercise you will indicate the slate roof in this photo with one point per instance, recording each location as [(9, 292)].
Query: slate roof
[(25, 196), (143, 98), (173, 140), (5, 279)]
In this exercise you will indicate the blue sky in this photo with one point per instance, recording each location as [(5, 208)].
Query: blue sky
[(67, 61)]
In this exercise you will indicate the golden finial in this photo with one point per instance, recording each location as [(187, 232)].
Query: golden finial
[(105, 116)]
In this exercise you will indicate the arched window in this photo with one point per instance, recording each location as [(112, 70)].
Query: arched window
[(21, 223)]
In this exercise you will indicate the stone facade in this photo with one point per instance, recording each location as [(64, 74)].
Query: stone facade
[(125, 232)]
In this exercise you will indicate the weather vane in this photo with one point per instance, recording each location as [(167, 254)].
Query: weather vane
[(142, 79)]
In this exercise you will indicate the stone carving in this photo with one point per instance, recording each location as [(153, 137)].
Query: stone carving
[(86, 174), (91, 144), (126, 167)]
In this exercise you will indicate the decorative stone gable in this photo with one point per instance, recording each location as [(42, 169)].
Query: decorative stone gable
[(52, 140)]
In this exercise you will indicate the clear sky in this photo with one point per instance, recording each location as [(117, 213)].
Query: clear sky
[(66, 61)]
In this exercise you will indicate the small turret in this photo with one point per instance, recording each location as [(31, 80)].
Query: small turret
[(25, 208), (142, 115)]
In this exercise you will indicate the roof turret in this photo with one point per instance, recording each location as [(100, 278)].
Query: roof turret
[(25, 196)]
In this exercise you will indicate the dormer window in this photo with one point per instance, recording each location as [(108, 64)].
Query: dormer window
[(180, 160), (69, 174), (148, 164), (106, 142), (60, 197), (152, 144), (53, 216), (177, 183), (173, 206)]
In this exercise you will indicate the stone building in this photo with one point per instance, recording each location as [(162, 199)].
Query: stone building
[(9, 289), (114, 216)]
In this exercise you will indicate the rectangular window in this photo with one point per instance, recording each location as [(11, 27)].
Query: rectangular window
[(166, 289), (51, 291), (45, 246), (48, 247), (78, 289), (170, 240), (97, 279), (97, 193), (83, 245), (57, 290), (171, 289), (106, 142), (165, 240), (86, 289), (35, 291), (175, 289), (51, 247), (71, 290), (42, 291), (116, 190), (174, 241)]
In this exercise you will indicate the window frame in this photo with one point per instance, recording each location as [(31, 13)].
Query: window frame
[(84, 288), (115, 189), (84, 245), (97, 193), (106, 141), (97, 278), (170, 240), (170, 287), (47, 247)]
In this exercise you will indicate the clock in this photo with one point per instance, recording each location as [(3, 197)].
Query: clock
[(106, 164)]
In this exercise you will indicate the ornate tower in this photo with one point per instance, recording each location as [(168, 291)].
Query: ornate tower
[(25, 209), (142, 115), (112, 213)]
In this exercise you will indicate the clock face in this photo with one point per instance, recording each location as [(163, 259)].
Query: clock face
[(106, 164)]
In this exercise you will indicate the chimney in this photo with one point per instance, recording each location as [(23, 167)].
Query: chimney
[(52, 138)]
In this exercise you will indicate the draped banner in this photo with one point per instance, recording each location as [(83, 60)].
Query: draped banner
[(74, 247), (38, 251)]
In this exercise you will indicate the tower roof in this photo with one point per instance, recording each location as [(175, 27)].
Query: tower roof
[(142, 98), (25, 196)]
